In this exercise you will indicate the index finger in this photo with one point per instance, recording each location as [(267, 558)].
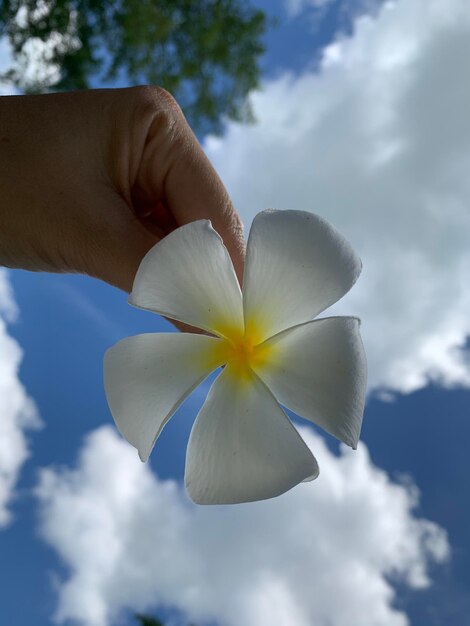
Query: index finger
[(183, 177)]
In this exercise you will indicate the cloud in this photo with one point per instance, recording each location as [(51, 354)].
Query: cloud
[(322, 554), (5, 62), (378, 142), (295, 7), (8, 307), (316, 11), (17, 411), (34, 64), (5, 54)]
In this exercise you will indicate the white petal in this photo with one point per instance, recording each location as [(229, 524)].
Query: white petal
[(243, 447), (146, 378), (296, 266), (319, 371), (189, 276)]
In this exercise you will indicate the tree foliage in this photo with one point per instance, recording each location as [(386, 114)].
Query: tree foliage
[(205, 52), (145, 620)]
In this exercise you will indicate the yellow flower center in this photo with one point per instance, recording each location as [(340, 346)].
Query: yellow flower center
[(242, 353)]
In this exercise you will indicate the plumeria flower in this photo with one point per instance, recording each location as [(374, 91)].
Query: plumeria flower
[(242, 445)]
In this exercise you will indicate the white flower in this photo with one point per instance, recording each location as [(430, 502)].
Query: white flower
[(242, 446)]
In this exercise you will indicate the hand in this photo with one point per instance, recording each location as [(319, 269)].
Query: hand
[(90, 181)]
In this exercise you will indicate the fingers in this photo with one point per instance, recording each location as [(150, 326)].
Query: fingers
[(116, 244), (194, 191), (175, 170)]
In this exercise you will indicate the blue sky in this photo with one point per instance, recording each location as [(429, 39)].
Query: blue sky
[(352, 134)]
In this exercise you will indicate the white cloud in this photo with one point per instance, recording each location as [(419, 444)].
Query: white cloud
[(296, 7), (378, 142), (5, 63), (17, 412), (346, 10), (322, 554), (35, 63), (5, 54), (8, 307)]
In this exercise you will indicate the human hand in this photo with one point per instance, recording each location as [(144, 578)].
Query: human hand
[(90, 181)]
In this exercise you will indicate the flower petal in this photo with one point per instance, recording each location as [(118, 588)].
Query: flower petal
[(243, 447), (296, 266), (188, 276), (147, 377), (319, 371)]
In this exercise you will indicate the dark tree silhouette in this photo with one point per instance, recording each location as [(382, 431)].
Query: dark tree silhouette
[(146, 620), (206, 53)]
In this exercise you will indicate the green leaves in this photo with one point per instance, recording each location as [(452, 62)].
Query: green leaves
[(145, 620), (205, 53)]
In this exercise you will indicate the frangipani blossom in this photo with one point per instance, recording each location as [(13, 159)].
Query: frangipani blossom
[(242, 445)]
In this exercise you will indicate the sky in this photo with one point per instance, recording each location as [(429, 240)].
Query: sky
[(362, 118)]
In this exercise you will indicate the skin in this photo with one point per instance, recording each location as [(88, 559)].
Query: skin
[(91, 180)]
